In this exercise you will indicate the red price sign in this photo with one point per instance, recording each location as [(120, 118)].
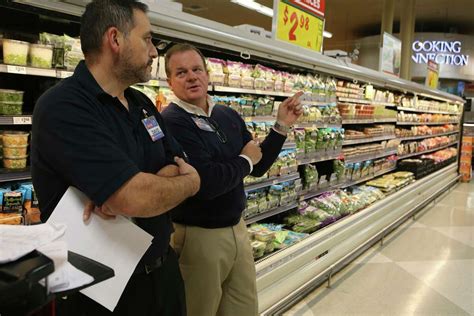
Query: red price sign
[(298, 27)]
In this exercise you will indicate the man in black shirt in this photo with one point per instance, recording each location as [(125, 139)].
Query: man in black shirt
[(210, 235), (93, 132)]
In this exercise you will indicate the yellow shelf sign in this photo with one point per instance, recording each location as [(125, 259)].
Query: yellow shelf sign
[(295, 26)]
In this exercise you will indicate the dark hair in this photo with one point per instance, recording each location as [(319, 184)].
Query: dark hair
[(100, 15), (181, 48)]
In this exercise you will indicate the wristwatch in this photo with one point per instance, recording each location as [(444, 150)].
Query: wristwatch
[(281, 128)]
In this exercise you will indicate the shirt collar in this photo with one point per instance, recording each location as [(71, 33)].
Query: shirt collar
[(194, 109), (87, 80)]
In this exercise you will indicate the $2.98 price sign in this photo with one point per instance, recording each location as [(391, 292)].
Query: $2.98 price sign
[(299, 28)]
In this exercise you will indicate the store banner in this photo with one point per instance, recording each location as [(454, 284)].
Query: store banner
[(432, 75), (390, 55), (299, 22)]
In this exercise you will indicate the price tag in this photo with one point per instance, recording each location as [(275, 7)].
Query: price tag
[(22, 120), (299, 27), (16, 69), (63, 74)]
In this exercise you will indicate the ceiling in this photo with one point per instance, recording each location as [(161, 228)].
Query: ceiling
[(349, 20)]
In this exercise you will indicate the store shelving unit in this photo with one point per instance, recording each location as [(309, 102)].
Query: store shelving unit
[(315, 193), (427, 136), (367, 178), (275, 211), (23, 119), (360, 101), (7, 175), (367, 140), (401, 108), (32, 71), (426, 123), (251, 91), (318, 157), (428, 151), (271, 181), (360, 158), (284, 276), (318, 125)]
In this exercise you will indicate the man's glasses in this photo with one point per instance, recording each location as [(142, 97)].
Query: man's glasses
[(220, 134)]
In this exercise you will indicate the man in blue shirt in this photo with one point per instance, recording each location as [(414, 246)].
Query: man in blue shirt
[(210, 235)]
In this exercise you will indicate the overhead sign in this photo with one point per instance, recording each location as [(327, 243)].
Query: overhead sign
[(390, 55), (432, 76), (298, 25), (442, 52), (315, 6)]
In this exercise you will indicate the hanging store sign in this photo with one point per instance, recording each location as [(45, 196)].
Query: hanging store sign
[(299, 22), (390, 55), (315, 6), (432, 75), (442, 52)]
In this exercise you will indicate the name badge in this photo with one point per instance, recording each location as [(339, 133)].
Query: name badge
[(202, 124), (153, 128)]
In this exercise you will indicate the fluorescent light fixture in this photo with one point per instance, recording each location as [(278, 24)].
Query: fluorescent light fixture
[(327, 34), (252, 5)]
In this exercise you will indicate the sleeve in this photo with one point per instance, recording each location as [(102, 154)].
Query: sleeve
[(172, 147), (217, 178), (271, 148), (81, 149)]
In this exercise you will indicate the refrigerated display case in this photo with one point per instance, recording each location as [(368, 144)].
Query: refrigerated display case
[(285, 275)]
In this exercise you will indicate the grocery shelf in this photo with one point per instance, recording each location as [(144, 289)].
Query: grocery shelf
[(32, 71), (14, 174), (389, 104), (154, 83), (270, 213), (319, 157), (427, 151), (367, 178), (262, 118), (369, 121), (385, 120), (361, 101), (426, 123), (360, 158), (272, 181), (289, 145), (312, 194), (318, 125), (427, 136), (317, 103), (358, 121), (367, 140), (16, 119), (298, 266), (401, 108), (251, 91)]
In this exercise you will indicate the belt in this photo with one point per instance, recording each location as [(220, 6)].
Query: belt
[(156, 263)]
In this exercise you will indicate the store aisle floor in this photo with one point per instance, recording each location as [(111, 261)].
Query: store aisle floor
[(425, 267)]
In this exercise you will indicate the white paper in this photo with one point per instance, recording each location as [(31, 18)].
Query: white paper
[(116, 243), (17, 240), (65, 275)]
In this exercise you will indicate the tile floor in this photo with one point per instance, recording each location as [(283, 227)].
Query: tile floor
[(425, 267)]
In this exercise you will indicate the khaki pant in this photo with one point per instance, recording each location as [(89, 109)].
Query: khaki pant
[(218, 270)]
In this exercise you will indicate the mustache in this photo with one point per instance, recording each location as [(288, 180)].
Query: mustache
[(150, 62)]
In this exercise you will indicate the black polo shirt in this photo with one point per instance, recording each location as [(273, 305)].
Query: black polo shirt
[(85, 138)]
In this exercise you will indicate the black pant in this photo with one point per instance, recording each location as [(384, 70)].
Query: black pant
[(159, 293)]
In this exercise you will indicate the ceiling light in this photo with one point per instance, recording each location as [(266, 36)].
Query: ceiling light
[(327, 34), (252, 5)]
